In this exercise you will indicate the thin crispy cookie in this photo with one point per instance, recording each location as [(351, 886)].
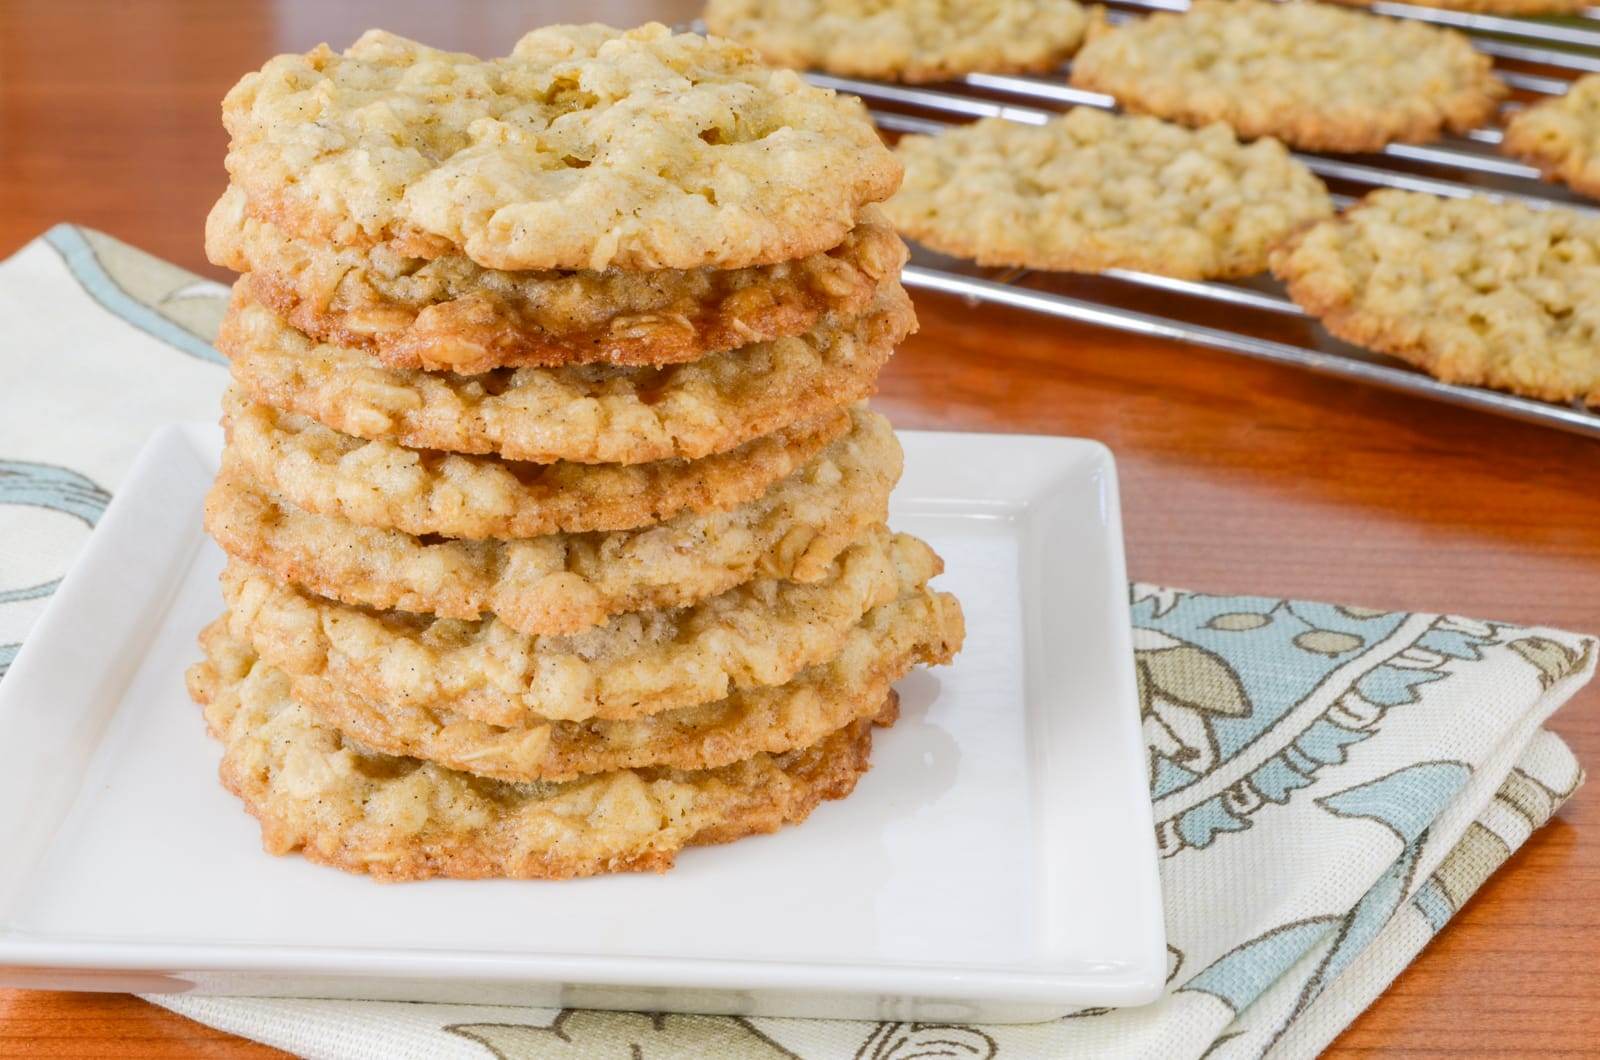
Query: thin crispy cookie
[(1314, 75), (1561, 136), (759, 633), (450, 314), (586, 148), (920, 626), (584, 413), (389, 487), (1495, 7), (340, 804), (1471, 290), (1092, 191), (565, 583), (905, 40)]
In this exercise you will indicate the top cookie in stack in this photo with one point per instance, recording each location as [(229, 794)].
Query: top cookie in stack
[(555, 520)]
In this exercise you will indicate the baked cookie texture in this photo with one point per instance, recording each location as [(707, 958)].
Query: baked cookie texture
[(1561, 135), (760, 633), (339, 803), (384, 485), (1472, 290), (1091, 191), (555, 515), (450, 314), (905, 40), (1496, 7), (565, 583), (585, 148), (581, 413), (918, 626), (1314, 75)]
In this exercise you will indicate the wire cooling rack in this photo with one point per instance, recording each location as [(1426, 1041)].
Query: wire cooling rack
[(1253, 317)]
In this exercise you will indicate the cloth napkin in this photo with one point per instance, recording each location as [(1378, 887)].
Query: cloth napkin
[(1330, 782)]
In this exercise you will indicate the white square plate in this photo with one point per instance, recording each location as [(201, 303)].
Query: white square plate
[(997, 863)]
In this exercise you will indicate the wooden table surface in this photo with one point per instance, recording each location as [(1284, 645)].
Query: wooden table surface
[(1236, 476)]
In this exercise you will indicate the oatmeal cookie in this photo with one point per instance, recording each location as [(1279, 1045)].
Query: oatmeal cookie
[(383, 485), (582, 413), (1314, 75), (564, 583), (905, 40), (1471, 290), (1091, 191), (449, 314), (586, 148), (341, 804), (1561, 136), (920, 626), (1513, 8), (760, 633)]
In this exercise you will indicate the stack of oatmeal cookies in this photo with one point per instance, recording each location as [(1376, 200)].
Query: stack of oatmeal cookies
[(555, 519)]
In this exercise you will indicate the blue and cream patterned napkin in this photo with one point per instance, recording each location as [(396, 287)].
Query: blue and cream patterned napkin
[(1331, 783)]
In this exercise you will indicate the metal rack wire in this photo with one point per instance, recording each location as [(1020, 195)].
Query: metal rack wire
[(1253, 317)]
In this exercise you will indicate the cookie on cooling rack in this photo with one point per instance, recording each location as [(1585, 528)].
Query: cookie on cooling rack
[(905, 40), (1314, 75), (1091, 191), (1471, 290), (1561, 136)]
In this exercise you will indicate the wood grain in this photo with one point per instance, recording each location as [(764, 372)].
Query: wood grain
[(1236, 476)]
